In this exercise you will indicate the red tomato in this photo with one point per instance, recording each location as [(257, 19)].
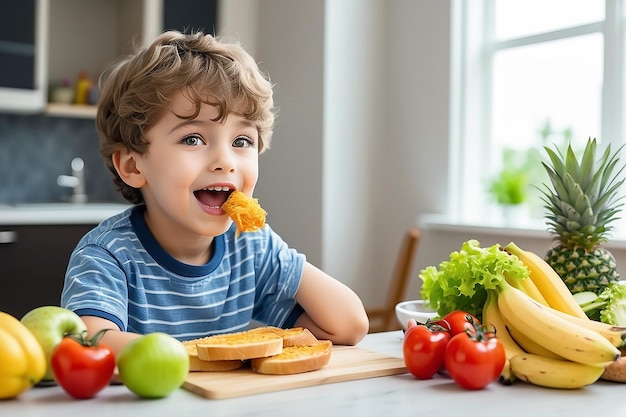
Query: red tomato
[(423, 348), (459, 322), (474, 360), (82, 366)]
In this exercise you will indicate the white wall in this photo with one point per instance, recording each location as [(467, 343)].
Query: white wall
[(418, 123), (355, 116)]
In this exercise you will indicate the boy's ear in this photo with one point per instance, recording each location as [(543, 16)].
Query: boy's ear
[(126, 166)]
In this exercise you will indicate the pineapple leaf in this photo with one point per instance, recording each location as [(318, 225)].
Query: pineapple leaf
[(572, 186), (608, 198), (587, 216), (556, 160), (583, 198), (595, 187), (571, 162), (610, 166), (588, 230), (586, 174), (609, 216), (557, 183), (569, 211), (573, 225)]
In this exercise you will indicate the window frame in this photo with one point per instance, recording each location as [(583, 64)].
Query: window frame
[(471, 51)]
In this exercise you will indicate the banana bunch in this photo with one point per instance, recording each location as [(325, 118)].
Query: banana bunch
[(549, 341)]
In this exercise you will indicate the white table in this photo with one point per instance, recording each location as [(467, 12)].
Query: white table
[(392, 396)]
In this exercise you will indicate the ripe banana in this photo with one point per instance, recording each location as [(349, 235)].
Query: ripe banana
[(528, 286), (554, 373), (529, 345), (507, 377), (566, 339), (493, 318), (548, 282), (614, 334), (22, 360)]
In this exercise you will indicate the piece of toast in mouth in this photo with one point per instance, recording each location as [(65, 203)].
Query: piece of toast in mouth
[(245, 211)]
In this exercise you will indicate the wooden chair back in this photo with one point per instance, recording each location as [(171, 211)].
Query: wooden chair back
[(384, 318)]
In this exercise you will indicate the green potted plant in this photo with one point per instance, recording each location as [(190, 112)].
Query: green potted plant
[(509, 187)]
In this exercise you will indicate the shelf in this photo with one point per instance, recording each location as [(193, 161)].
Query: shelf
[(71, 110)]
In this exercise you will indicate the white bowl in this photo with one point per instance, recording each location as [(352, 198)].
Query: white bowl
[(414, 309)]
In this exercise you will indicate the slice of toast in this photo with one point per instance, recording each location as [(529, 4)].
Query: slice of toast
[(295, 359), (198, 365), (295, 336), (239, 346)]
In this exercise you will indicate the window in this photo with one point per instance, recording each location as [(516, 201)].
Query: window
[(527, 74)]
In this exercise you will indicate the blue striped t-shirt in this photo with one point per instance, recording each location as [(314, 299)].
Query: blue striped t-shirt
[(119, 272)]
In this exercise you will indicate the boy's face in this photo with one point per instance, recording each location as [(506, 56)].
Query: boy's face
[(192, 165)]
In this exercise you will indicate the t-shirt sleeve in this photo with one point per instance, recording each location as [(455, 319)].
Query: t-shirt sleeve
[(279, 272), (95, 285)]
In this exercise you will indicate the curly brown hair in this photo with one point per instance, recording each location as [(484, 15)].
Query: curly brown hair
[(137, 90)]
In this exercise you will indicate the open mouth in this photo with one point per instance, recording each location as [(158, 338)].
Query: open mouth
[(213, 197)]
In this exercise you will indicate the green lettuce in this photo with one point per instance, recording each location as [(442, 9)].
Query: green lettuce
[(615, 311), (608, 307), (461, 283)]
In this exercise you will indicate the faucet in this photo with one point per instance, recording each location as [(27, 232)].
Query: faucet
[(76, 181)]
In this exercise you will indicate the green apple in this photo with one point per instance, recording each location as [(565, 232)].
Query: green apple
[(50, 324), (153, 365)]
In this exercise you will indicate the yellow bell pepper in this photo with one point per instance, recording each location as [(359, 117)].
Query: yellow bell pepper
[(22, 359)]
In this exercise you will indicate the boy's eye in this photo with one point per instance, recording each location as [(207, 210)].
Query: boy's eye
[(192, 140), (243, 142)]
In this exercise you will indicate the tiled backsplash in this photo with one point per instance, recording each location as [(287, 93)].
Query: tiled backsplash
[(36, 149)]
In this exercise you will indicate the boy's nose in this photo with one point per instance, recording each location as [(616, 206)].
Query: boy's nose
[(222, 160)]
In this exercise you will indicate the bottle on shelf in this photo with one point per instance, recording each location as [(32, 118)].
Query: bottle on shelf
[(63, 92), (83, 85)]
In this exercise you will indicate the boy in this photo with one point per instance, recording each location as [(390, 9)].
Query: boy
[(182, 123)]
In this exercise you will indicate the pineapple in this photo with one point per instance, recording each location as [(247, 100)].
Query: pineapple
[(581, 204)]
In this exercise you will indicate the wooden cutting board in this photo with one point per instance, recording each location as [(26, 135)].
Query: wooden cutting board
[(347, 363)]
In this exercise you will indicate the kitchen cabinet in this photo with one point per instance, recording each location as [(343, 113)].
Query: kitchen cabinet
[(57, 39), (67, 37), (33, 260), (23, 25), (188, 15), (89, 35)]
